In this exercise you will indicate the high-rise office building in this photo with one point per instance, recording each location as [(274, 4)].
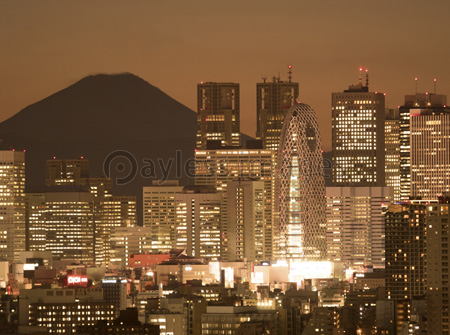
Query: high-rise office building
[(112, 212), (245, 207), (36, 225), (358, 137), (67, 172), (218, 114), (160, 213), (12, 209), (300, 185), (198, 228), (118, 211), (355, 224), (273, 101), (415, 105), (430, 152), (70, 222), (392, 149), (127, 241), (405, 250), (219, 167), (438, 287), (100, 187)]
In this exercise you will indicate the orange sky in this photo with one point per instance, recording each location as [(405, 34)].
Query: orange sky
[(48, 45)]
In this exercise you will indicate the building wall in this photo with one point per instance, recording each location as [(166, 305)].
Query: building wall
[(358, 138), (12, 211), (198, 228), (218, 114), (392, 147), (273, 101), (160, 214), (414, 104), (438, 232), (430, 154), (218, 167), (355, 224), (245, 201), (405, 251), (70, 221)]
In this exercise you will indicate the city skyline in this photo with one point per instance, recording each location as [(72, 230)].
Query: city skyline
[(68, 43), (171, 180)]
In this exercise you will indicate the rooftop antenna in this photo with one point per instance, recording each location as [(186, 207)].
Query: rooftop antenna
[(367, 78), (360, 76), (264, 78), (435, 81), (416, 79), (290, 73), (279, 76)]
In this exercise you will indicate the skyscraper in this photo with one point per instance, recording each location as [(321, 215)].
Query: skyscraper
[(273, 101), (12, 198), (36, 225), (126, 241), (70, 222), (218, 114), (355, 224), (358, 137), (430, 152), (219, 167), (160, 213), (422, 104), (67, 172), (300, 185), (392, 150), (405, 250), (245, 207), (198, 228), (438, 218)]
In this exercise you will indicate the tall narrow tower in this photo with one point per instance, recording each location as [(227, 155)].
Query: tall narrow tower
[(12, 197), (218, 114), (300, 186), (273, 100)]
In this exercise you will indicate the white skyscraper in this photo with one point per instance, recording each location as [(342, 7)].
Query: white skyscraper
[(300, 187)]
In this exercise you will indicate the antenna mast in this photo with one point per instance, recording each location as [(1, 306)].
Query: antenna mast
[(360, 76), (290, 73), (435, 81), (367, 78)]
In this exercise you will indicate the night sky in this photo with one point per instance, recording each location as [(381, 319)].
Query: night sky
[(48, 45)]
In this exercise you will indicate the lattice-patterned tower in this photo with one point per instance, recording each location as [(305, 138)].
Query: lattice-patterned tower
[(300, 186)]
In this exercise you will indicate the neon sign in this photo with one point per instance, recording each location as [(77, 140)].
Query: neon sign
[(77, 280)]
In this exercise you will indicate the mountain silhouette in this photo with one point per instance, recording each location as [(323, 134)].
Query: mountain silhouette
[(98, 116)]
